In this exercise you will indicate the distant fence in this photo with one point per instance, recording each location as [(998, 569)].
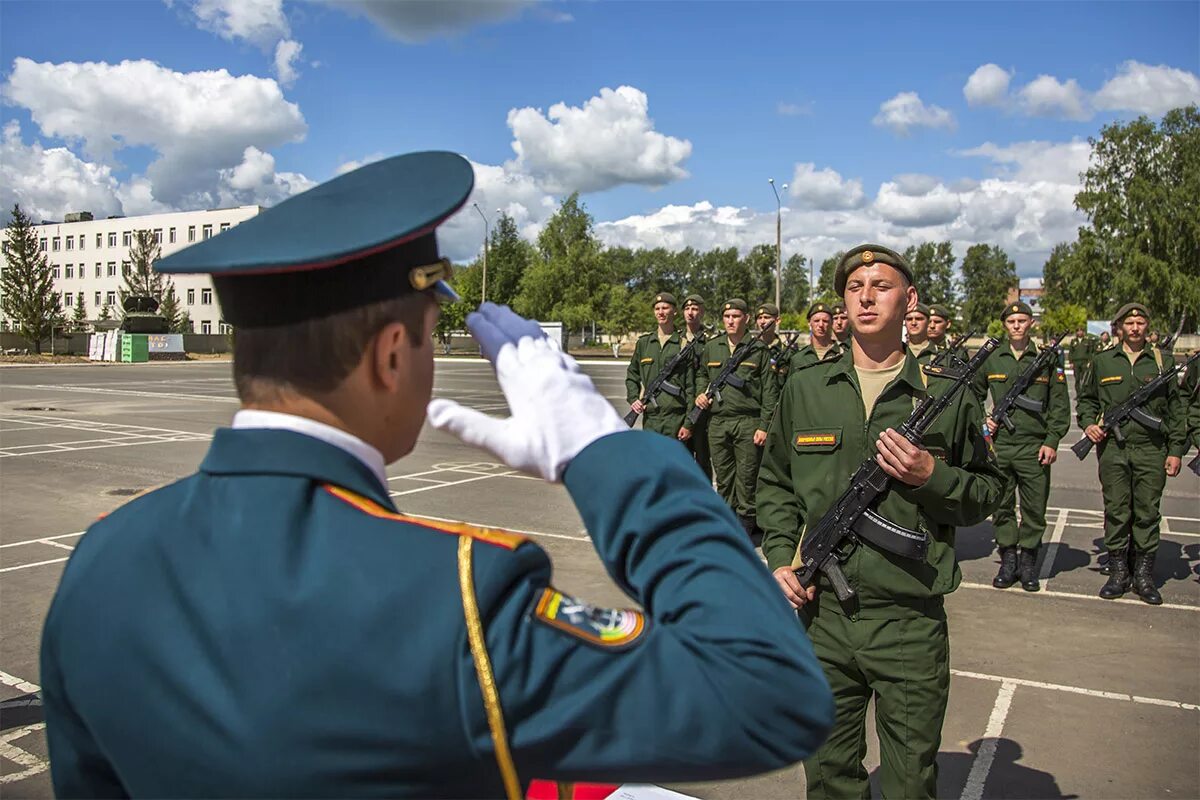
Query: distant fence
[(77, 344)]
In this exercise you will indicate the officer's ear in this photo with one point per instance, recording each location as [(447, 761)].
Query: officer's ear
[(400, 347)]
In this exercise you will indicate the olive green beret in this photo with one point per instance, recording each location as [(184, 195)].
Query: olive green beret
[(693, 300), (1015, 308), (664, 297), (866, 254), (818, 308), (921, 308), (838, 308), (768, 308), (736, 304), (1131, 310), (939, 310)]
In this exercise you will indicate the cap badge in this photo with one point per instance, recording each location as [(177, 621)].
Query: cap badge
[(422, 278), (867, 256)]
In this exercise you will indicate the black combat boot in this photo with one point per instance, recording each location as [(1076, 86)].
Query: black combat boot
[(1027, 569), (1118, 577), (1143, 579), (1007, 575)]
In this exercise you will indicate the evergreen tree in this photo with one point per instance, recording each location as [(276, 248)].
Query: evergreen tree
[(508, 256), (933, 271), (183, 323), (169, 309), (79, 318), (27, 292), (988, 274), (141, 278), (105, 314)]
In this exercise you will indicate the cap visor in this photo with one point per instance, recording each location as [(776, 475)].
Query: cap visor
[(444, 293)]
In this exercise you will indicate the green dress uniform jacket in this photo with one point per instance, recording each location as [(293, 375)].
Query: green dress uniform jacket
[(271, 626), (648, 360), (807, 355), (820, 436), (1017, 450), (1132, 475), (756, 399), (1082, 350)]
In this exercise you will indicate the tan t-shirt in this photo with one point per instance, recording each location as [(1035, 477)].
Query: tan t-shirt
[(917, 349), (663, 337), (821, 351), (872, 382), (1018, 353)]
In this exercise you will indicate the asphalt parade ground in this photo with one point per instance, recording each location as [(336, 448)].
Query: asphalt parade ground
[(1054, 694)]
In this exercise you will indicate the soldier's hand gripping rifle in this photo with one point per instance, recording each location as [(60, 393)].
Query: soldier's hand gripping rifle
[(1015, 397), (1112, 420), (851, 517), (662, 381), (938, 358), (726, 375)]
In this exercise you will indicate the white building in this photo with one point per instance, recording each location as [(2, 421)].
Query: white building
[(90, 257)]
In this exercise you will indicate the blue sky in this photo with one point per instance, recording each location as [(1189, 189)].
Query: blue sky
[(869, 110)]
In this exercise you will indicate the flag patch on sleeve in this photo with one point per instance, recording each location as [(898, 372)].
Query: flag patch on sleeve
[(606, 627)]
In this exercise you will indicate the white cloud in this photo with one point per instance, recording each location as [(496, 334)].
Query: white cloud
[(353, 164), (987, 86), (49, 183), (287, 51), (793, 109), (1033, 162), (255, 181), (1148, 90), (912, 209), (906, 111), (608, 141), (1046, 96), (198, 122), (414, 21), (824, 189), (496, 188), (260, 22)]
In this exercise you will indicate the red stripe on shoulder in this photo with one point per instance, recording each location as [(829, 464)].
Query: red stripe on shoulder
[(494, 536)]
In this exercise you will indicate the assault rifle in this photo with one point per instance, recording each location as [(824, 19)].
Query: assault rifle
[(1015, 397), (662, 381), (1165, 344), (726, 375), (937, 360), (1113, 419), (851, 517)]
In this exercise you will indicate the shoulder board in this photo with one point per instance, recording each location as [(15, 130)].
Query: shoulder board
[(495, 536)]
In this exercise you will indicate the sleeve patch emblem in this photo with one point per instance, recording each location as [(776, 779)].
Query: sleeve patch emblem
[(647, 361), (715, 363), (1042, 379), (809, 439), (998, 376), (1062, 377), (1111, 379), (607, 627)]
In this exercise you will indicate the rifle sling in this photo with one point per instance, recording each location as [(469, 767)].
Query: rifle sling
[(889, 536)]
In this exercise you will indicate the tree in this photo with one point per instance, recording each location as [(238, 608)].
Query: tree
[(508, 257), (759, 265), (1063, 318), (169, 309), (825, 282), (468, 282), (933, 271), (567, 282), (183, 323), (105, 314), (141, 279), (987, 276), (795, 284), (1075, 274), (27, 292), (1141, 194)]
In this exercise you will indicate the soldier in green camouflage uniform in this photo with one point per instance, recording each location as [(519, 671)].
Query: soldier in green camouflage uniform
[(890, 643), (1133, 473), (1191, 397), (693, 317), (822, 344), (1025, 454), (916, 325), (651, 353), (940, 323), (737, 423), (841, 324), (1083, 347)]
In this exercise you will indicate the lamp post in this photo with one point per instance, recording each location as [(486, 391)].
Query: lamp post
[(778, 243), (486, 235)]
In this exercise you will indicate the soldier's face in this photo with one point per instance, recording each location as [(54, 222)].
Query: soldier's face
[(841, 321), (937, 326), (877, 298), (819, 324), (663, 312), (1133, 330), (766, 319), (735, 321), (916, 324), (1017, 326), (693, 314)]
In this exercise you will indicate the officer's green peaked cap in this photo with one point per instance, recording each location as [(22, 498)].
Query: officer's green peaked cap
[(1015, 308), (360, 238), (865, 255), (1131, 310)]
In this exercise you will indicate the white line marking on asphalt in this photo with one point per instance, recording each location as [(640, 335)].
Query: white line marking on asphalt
[(42, 539), (18, 683), (1058, 687), (1074, 596), (34, 564), (973, 790), (448, 484), (45, 387), (22, 758), (1060, 524)]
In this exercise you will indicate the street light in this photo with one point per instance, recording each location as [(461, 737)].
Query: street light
[(778, 243), (483, 289)]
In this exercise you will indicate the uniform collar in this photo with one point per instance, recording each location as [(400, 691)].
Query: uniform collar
[(1030, 349), (279, 451), (910, 374)]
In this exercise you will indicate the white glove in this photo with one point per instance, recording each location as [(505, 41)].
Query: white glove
[(556, 411)]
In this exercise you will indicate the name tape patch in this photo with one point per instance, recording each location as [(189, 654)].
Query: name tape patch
[(1112, 379), (998, 376), (810, 439), (647, 361), (607, 627)]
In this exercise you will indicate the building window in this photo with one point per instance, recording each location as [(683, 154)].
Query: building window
[(206, 297), (97, 299), (191, 233), (224, 226), (124, 267), (191, 297), (112, 239), (70, 242), (97, 270), (126, 239), (42, 245), (82, 241), (208, 231), (171, 236), (70, 270), (112, 269), (69, 299), (206, 327), (56, 244), (158, 235), (110, 298), (99, 240), (54, 273), (225, 328)]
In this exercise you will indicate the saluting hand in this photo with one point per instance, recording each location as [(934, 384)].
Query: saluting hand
[(796, 593), (902, 459)]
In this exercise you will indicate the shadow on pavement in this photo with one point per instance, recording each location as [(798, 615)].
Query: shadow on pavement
[(975, 542), (1066, 558), (1173, 562), (1006, 779)]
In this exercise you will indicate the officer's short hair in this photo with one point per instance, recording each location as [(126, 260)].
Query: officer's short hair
[(315, 356)]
